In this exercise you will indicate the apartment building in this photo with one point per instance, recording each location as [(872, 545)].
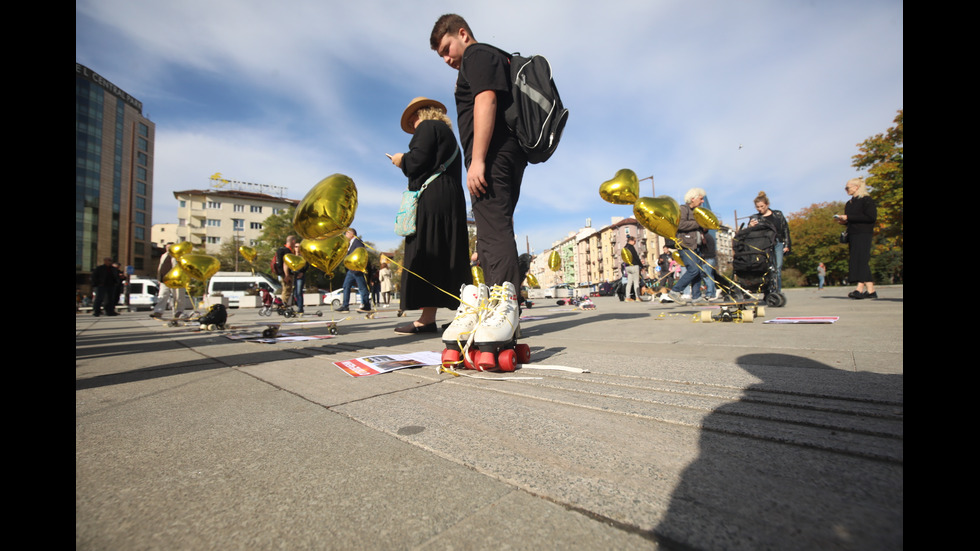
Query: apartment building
[(211, 218)]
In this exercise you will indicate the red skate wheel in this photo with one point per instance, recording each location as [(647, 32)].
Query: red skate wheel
[(508, 360), (450, 357), (469, 360), (486, 361), (523, 353)]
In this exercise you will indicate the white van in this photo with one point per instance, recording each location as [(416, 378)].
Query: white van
[(142, 293), (233, 285)]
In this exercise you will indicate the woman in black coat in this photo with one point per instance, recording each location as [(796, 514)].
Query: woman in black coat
[(860, 215), (438, 254)]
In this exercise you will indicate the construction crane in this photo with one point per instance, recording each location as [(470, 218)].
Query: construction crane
[(218, 181)]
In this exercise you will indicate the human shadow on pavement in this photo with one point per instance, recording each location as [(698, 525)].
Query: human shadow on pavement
[(810, 457), (571, 319)]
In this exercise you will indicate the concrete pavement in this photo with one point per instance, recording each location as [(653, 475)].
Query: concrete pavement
[(681, 435)]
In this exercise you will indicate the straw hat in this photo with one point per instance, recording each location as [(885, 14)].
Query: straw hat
[(414, 106)]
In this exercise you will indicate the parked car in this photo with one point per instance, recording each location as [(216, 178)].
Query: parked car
[(142, 293), (234, 285), (606, 289), (563, 290), (336, 298)]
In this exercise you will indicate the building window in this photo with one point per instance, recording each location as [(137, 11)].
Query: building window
[(182, 203), (238, 208), (142, 144), (181, 222), (141, 203), (143, 130), (141, 159), (141, 188), (213, 205), (256, 209), (255, 225), (238, 224), (139, 233), (214, 240), (213, 223)]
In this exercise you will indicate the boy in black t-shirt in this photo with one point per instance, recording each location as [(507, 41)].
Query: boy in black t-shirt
[(494, 159)]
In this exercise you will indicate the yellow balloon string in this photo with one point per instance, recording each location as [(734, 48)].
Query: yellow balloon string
[(418, 276)]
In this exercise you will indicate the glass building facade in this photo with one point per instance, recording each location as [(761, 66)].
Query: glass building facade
[(113, 178)]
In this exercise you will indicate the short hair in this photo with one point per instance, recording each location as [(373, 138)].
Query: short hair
[(862, 187), (433, 114), (692, 193), (762, 198), (447, 24), (352, 230)]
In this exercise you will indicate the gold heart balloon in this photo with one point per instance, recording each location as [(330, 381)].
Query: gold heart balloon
[(325, 253), (357, 260), (328, 209), (627, 255), (623, 189), (477, 273), (706, 219), (200, 266), (178, 250), (660, 215), (294, 261), (554, 261), (532, 281), (248, 253), (176, 278)]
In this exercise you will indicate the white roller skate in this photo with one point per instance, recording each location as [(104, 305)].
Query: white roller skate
[(459, 335), (498, 331)]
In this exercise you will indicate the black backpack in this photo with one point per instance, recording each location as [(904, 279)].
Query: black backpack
[(537, 116), (217, 315)]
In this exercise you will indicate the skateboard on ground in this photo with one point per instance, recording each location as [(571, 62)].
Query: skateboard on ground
[(374, 314), (178, 321), (738, 311), (272, 329)]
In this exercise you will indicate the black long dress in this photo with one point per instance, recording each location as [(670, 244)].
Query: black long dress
[(438, 252)]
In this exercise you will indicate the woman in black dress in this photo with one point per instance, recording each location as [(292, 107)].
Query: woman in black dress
[(438, 253), (860, 215)]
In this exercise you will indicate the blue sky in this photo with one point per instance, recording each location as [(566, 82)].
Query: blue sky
[(732, 97)]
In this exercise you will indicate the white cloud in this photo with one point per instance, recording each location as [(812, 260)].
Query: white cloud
[(286, 93)]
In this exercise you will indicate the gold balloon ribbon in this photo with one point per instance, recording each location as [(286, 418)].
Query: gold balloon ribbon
[(728, 279), (420, 277)]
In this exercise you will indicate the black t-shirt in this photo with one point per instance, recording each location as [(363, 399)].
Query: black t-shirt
[(634, 256), (483, 68)]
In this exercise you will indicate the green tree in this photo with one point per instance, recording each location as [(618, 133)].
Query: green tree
[(883, 156), (816, 239)]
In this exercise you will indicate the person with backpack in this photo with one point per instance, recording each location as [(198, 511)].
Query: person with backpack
[(495, 163)]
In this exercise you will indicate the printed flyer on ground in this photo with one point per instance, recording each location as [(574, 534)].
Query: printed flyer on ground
[(373, 365)]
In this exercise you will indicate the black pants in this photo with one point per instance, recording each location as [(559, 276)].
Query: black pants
[(496, 246)]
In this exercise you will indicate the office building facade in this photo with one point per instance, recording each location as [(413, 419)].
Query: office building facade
[(113, 178)]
